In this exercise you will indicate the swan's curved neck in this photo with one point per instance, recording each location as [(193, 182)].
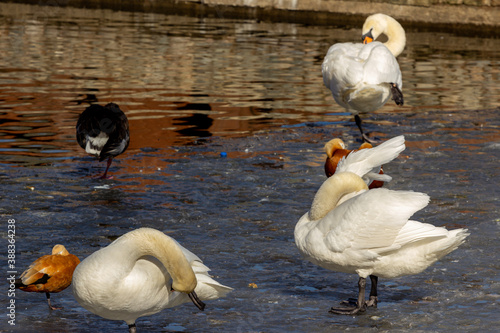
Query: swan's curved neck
[(396, 37), (378, 24), (332, 190), (151, 242)]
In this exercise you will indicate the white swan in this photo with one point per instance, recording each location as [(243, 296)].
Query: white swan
[(363, 76), (349, 229), (142, 273)]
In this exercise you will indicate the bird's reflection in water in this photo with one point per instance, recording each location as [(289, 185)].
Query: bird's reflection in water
[(197, 124)]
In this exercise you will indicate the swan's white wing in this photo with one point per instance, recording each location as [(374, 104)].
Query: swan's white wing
[(362, 162), (370, 221), (380, 66), (342, 68), (347, 64), (415, 231)]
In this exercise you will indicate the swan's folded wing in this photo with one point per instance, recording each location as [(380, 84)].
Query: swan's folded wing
[(372, 220), (380, 65), (415, 231), (341, 68)]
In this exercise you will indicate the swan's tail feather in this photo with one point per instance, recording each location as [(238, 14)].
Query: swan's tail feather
[(455, 238), (209, 289)]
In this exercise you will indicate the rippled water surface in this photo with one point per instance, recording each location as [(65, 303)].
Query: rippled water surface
[(195, 87)]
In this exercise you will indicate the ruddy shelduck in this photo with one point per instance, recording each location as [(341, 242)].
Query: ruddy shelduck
[(50, 273), (335, 150)]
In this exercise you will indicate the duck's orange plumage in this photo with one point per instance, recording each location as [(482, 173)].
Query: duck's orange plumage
[(335, 150), (50, 273)]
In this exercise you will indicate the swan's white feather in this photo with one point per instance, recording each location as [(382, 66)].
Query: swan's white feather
[(364, 162), (359, 75), (369, 231)]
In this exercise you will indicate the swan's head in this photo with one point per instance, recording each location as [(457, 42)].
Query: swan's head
[(184, 283), (374, 26), (332, 145), (187, 286), (59, 249), (378, 24)]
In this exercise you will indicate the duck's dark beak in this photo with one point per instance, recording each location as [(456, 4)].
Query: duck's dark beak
[(196, 301), (368, 37)]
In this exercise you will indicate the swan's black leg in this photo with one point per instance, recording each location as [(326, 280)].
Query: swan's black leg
[(373, 292), (361, 304), (132, 328), (397, 95), (357, 119)]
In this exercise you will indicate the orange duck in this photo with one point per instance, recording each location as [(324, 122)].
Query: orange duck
[(335, 150), (50, 273)]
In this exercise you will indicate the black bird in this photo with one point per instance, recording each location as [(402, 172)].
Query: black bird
[(103, 131)]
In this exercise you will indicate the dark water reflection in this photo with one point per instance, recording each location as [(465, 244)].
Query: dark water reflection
[(180, 78), (193, 88)]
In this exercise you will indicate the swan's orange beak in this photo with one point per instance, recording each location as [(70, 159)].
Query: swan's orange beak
[(367, 40), (368, 37)]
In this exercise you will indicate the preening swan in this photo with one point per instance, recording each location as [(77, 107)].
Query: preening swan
[(352, 230), (363, 76), (51, 273), (142, 273), (103, 131), (335, 150)]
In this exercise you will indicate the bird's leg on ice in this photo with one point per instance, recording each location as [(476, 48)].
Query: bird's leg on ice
[(364, 137), (110, 159), (132, 328), (50, 305), (373, 295), (360, 305), (373, 292), (397, 95)]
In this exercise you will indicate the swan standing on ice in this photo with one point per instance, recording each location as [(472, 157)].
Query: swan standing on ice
[(140, 274), (352, 230), (363, 76)]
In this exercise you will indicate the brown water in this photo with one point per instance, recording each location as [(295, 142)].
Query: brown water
[(181, 78), (194, 87)]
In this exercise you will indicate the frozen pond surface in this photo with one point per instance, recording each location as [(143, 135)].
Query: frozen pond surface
[(194, 88)]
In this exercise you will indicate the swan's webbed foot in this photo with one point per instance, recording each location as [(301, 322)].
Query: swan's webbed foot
[(397, 95), (360, 304), (364, 137), (372, 301), (352, 306), (351, 310), (350, 301)]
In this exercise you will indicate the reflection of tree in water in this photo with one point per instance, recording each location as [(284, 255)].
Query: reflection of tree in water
[(196, 124)]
